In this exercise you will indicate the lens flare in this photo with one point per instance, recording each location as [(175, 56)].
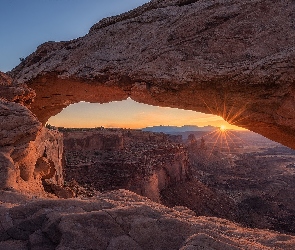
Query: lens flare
[(222, 128)]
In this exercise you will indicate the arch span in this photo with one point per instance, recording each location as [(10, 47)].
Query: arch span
[(259, 109), (229, 58)]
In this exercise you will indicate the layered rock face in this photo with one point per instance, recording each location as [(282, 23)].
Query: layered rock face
[(230, 58), (109, 159), (92, 139), (35, 155), (29, 153)]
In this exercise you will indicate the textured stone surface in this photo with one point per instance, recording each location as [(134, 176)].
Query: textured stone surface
[(109, 159), (232, 58), (15, 93), (5, 80), (18, 127), (201, 199), (123, 220), (28, 152)]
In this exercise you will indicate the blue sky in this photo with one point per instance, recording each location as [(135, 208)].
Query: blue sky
[(25, 24)]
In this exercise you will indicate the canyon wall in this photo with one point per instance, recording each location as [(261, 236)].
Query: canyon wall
[(109, 159), (92, 139)]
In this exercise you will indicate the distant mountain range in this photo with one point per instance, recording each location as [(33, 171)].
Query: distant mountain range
[(175, 129)]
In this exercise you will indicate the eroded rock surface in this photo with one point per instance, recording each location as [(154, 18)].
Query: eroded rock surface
[(5, 80), (109, 159), (15, 93), (28, 151), (123, 220), (232, 58)]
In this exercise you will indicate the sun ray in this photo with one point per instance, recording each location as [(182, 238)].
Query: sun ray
[(232, 139), (238, 113), (206, 104), (215, 134), (222, 137), (230, 159), (239, 138), (213, 146), (209, 133), (225, 133), (217, 106), (224, 106), (229, 113), (221, 141), (242, 118)]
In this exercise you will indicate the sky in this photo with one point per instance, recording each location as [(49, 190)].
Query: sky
[(130, 114), (25, 24)]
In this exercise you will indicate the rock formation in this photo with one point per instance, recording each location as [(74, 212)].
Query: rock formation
[(29, 153), (93, 139), (231, 58), (5, 80), (110, 159), (123, 220), (15, 93), (203, 200)]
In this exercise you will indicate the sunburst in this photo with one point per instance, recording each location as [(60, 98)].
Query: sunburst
[(223, 137), (222, 128)]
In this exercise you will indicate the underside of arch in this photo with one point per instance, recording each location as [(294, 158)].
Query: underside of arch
[(232, 58)]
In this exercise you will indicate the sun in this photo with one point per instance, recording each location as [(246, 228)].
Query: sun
[(222, 128)]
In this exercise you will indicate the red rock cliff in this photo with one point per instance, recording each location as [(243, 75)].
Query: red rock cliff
[(108, 159)]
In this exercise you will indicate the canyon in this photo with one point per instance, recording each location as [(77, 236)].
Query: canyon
[(246, 178), (110, 159), (231, 58)]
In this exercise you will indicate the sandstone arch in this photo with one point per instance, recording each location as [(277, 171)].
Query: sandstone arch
[(230, 58), (198, 54)]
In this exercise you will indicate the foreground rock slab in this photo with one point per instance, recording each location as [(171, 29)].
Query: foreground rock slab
[(121, 220)]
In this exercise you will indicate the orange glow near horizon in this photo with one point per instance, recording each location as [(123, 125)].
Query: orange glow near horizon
[(223, 128), (130, 114)]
